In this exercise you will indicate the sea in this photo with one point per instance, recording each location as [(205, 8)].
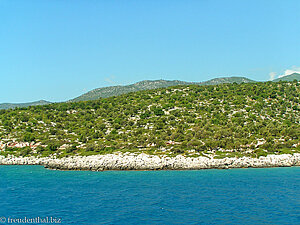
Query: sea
[(35, 195)]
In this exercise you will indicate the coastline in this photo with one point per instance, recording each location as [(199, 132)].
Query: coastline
[(150, 162)]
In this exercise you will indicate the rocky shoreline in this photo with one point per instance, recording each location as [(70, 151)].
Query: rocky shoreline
[(150, 162)]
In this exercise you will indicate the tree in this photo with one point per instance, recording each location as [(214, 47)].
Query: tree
[(28, 137)]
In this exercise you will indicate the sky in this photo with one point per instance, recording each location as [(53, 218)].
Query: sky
[(57, 49)]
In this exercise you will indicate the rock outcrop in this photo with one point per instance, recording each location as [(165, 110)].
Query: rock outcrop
[(150, 162)]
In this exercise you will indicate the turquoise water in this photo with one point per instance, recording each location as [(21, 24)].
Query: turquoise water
[(236, 196)]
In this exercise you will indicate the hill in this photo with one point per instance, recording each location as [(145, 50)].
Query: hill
[(119, 90), (226, 120), (20, 105), (139, 86), (292, 77), (148, 85), (106, 92), (224, 80)]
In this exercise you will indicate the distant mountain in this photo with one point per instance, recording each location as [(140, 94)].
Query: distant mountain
[(151, 84), (145, 85), (223, 80), (292, 77), (119, 90), (20, 105), (139, 86)]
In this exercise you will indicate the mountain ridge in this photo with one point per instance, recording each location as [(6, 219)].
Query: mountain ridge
[(20, 105), (151, 84), (291, 77), (116, 90)]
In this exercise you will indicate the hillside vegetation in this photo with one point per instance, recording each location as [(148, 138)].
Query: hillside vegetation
[(250, 119)]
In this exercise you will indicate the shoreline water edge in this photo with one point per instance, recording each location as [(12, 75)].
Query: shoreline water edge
[(152, 162)]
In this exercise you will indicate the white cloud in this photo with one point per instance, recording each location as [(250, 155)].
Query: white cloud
[(287, 72), (272, 75)]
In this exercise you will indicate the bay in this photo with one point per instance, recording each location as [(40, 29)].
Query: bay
[(235, 196)]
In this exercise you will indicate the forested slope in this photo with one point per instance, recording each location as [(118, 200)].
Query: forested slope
[(250, 119)]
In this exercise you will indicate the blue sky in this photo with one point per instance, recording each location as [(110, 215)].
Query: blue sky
[(58, 49)]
